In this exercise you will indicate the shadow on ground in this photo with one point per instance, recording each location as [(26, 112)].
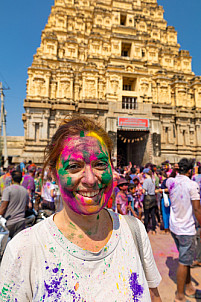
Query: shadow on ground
[(172, 265)]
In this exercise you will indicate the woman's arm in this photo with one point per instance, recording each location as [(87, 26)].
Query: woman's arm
[(155, 296)]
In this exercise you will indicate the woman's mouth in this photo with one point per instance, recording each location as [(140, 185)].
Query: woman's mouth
[(89, 194)]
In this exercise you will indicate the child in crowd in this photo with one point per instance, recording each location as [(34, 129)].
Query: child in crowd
[(132, 200), (122, 198)]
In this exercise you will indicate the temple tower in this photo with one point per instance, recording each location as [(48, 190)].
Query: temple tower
[(119, 62)]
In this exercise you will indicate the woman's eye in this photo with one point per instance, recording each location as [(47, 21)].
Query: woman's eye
[(73, 167), (101, 165)]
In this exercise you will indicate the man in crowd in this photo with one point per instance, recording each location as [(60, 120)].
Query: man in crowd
[(197, 261), (185, 201), (15, 199), (28, 183)]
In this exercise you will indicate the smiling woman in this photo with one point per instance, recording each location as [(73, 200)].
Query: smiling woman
[(84, 252)]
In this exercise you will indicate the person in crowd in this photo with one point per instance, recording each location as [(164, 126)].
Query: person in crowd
[(5, 179), (57, 197), (164, 209), (138, 197), (197, 261), (15, 200), (22, 167), (29, 185), (84, 252), (48, 194), (141, 175), (149, 202), (132, 209), (185, 201), (38, 189), (133, 175), (122, 198)]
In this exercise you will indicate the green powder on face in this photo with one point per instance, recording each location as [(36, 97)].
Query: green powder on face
[(81, 133), (106, 177), (62, 172), (68, 181), (81, 236), (65, 163)]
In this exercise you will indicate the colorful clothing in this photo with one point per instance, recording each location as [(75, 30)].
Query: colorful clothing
[(40, 264), (122, 200), (5, 181), (181, 191), (197, 178), (28, 183)]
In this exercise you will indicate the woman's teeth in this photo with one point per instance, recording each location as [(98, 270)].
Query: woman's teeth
[(89, 194)]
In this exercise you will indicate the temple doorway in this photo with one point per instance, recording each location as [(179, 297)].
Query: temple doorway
[(131, 147)]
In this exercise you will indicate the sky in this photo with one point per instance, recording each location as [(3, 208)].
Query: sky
[(22, 22)]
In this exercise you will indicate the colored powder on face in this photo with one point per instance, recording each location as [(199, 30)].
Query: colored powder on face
[(69, 181), (93, 134), (64, 164), (136, 288), (81, 133), (106, 177)]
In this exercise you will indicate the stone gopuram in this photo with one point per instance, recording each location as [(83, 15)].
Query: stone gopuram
[(119, 62)]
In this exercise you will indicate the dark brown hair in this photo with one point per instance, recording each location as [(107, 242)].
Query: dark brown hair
[(70, 127)]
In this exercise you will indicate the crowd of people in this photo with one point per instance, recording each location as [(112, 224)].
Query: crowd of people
[(79, 183), (138, 191)]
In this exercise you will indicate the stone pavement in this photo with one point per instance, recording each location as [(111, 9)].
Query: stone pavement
[(166, 257)]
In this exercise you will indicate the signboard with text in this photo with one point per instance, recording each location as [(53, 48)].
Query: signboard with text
[(132, 122)]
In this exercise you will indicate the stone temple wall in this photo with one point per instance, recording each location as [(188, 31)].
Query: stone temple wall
[(109, 59)]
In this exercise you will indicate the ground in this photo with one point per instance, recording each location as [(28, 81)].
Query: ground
[(166, 257)]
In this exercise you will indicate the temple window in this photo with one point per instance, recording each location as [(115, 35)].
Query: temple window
[(123, 20), (129, 84), (129, 102), (126, 49)]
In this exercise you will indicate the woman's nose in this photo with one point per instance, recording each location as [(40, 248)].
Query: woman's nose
[(89, 177)]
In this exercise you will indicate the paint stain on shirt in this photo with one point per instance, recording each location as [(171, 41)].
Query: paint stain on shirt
[(136, 288)]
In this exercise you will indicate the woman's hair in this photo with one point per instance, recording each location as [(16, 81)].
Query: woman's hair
[(75, 125), (149, 173)]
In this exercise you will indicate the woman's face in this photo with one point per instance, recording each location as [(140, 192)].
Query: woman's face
[(84, 173)]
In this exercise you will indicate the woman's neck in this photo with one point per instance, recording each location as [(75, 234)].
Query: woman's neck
[(71, 220), (90, 232)]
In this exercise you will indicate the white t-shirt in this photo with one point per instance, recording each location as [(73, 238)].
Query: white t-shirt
[(46, 191), (40, 264), (181, 191)]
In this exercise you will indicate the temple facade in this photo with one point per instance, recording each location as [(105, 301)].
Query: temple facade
[(118, 62)]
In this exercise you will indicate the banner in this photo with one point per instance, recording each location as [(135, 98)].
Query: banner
[(132, 122)]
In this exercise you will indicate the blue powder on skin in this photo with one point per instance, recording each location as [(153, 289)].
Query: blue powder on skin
[(136, 288)]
